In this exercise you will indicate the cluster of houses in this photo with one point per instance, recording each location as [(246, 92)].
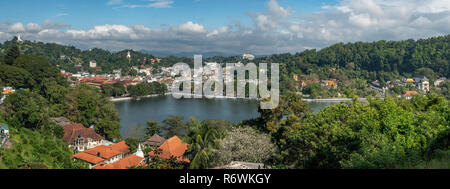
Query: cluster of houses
[(421, 82), (145, 74), (99, 153), (332, 83)]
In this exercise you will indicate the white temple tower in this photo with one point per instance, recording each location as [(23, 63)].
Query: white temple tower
[(129, 55), (19, 39), (139, 152)]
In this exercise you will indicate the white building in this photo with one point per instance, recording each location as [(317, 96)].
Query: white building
[(19, 39), (248, 57), (129, 55), (93, 64)]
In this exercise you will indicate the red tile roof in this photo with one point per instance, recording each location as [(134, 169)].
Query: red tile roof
[(88, 158), (72, 131), (410, 93), (127, 162), (102, 153), (121, 147), (105, 152), (172, 147), (98, 80), (331, 82)]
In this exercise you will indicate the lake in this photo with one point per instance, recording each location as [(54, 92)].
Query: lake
[(134, 112)]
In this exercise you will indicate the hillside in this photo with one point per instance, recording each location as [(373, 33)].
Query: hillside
[(372, 60), (67, 57)]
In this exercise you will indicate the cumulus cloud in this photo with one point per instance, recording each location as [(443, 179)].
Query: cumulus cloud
[(147, 3), (192, 27), (17, 27), (276, 30)]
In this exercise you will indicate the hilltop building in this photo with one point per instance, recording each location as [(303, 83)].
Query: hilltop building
[(19, 39), (129, 55)]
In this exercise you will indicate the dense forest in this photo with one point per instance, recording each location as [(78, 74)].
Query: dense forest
[(42, 93)]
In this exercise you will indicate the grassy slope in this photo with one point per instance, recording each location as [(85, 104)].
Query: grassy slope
[(33, 147)]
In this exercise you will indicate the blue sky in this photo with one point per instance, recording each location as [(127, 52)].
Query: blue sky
[(224, 27), (83, 14)]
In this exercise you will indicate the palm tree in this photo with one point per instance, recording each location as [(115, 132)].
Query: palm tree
[(202, 139)]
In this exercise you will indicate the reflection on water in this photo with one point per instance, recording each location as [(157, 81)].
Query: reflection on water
[(158, 108)]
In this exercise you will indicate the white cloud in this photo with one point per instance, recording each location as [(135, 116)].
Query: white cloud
[(147, 4), (33, 27), (17, 27), (192, 27), (276, 9), (276, 30)]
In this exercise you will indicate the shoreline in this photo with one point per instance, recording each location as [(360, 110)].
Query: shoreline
[(120, 99), (112, 99), (332, 100)]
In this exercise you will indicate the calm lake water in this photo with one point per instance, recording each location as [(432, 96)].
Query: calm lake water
[(134, 112)]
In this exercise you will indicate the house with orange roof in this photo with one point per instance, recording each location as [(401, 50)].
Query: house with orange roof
[(171, 148), (125, 163), (330, 83), (8, 90), (409, 94), (103, 155)]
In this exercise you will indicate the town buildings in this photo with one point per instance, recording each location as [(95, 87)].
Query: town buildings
[(81, 138), (422, 83), (103, 155), (125, 163)]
